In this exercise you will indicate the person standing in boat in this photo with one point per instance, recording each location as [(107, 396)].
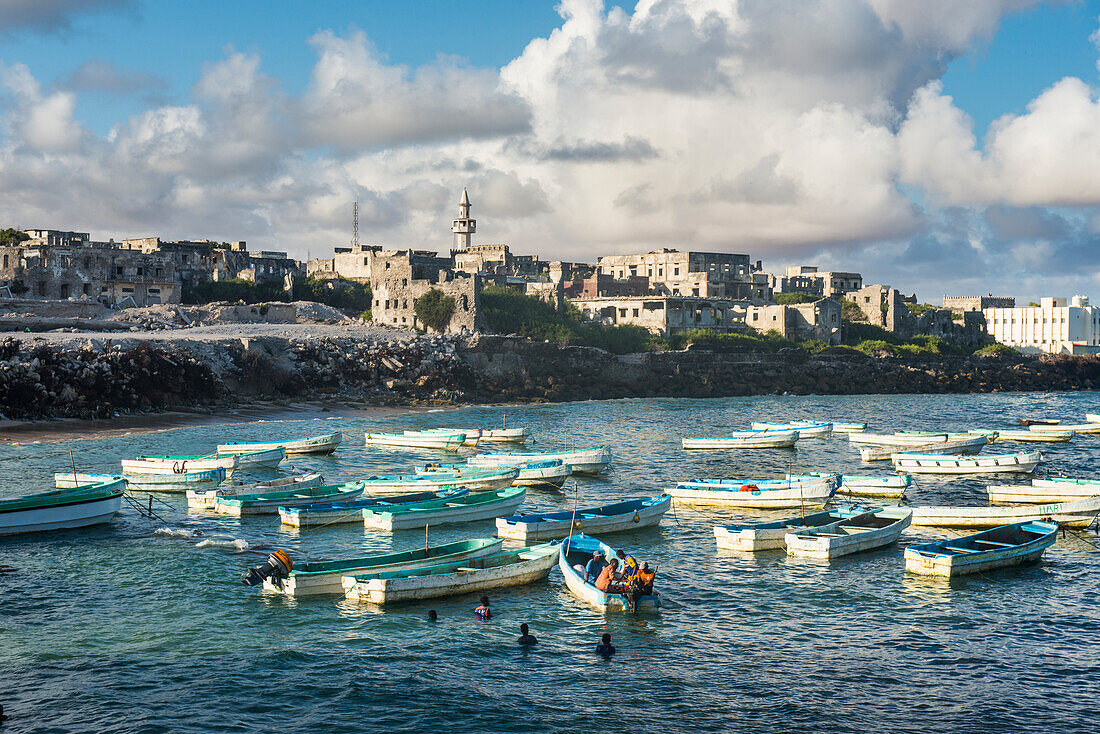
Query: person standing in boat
[(482, 610), (595, 567), (628, 563)]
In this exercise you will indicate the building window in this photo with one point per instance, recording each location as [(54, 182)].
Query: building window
[(405, 282), (622, 312), (404, 304), (755, 316), (127, 290), (5, 261), (87, 262), (377, 303), (676, 271), (635, 313), (154, 290), (366, 261), (64, 290), (87, 290), (387, 268), (118, 270), (41, 289)]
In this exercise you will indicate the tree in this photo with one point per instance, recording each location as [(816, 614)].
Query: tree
[(791, 299), (10, 237), (434, 309)]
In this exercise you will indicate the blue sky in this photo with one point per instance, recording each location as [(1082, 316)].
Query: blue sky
[(850, 134)]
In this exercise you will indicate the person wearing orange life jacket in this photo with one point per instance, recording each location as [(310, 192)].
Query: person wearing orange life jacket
[(482, 610), (644, 579)]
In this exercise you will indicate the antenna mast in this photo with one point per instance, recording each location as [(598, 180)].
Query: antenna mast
[(355, 224)]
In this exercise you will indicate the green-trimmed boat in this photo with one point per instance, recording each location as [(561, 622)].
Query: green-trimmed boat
[(61, 509), (270, 502), (324, 577)]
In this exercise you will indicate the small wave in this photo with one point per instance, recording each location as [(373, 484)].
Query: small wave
[(176, 532), (233, 544)]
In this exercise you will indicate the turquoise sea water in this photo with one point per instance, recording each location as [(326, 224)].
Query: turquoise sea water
[(139, 626)]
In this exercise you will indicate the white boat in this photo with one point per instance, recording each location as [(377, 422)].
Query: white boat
[(269, 503), (1021, 463), (1028, 436), (325, 444), (763, 536), (968, 445), (866, 485), (853, 535), (61, 509), (1062, 427), (178, 464), (434, 441), (765, 495), (323, 514), (1051, 489), (145, 482), (576, 551), (472, 435), (448, 511), (500, 570), (839, 427), (263, 459), (203, 499), (506, 435), (1092, 417), (317, 578), (474, 478), (592, 460), (1007, 545), (745, 440), (613, 518), (549, 473), (905, 439), (1078, 513), (806, 429)]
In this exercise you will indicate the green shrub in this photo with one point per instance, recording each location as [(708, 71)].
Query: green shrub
[(343, 294), (850, 311), (790, 299), (875, 347), (918, 308), (234, 290), (11, 237), (434, 309), (996, 350)]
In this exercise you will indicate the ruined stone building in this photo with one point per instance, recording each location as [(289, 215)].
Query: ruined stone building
[(664, 315), (962, 304), (399, 277), (819, 320), (887, 308), (699, 274), (809, 280)]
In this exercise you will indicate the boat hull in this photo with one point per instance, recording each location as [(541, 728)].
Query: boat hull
[(758, 440), (320, 583), (321, 445), (588, 593), (823, 543), (773, 535), (241, 505), (992, 464), (761, 496), (641, 516), (583, 461), (933, 559), (533, 564), (456, 514), (178, 465), (1072, 514), (430, 442), (146, 482), (204, 499), (77, 514)]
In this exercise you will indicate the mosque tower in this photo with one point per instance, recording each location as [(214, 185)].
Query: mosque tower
[(464, 226)]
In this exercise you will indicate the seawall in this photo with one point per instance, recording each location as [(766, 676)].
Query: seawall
[(95, 378)]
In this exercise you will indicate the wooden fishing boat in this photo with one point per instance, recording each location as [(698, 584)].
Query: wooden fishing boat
[(203, 499), (178, 464), (472, 435), (861, 533), (1050, 489), (840, 427), (806, 429), (745, 440), (549, 473), (316, 578), (914, 463), (575, 552), (145, 482), (325, 444), (1063, 427), (613, 518), (1078, 513), (506, 435), (435, 441), (906, 439), (775, 494), (1027, 436), (865, 485), (332, 513), (591, 460), (763, 536), (1092, 417), (473, 507), (269, 503), (475, 479), (1008, 545), (500, 570), (970, 445), (61, 509), (1039, 422)]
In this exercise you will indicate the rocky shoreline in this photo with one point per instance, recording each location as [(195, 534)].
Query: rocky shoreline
[(97, 378)]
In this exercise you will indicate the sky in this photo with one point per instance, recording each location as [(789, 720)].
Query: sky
[(938, 147)]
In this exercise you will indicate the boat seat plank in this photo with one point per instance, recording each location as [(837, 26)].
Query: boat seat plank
[(994, 543), (956, 549)]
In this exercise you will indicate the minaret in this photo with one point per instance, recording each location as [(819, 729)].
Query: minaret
[(464, 226)]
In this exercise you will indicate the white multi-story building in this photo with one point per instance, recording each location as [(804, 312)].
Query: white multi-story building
[(1054, 326)]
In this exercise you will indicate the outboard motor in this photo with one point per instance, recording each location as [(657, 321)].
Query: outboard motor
[(277, 568)]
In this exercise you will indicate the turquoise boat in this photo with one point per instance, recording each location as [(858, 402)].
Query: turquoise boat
[(331, 513), (764, 536), (324, 577), (1007, 545), (269, 503), (61, 509), (474, 506), (577, 550)]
